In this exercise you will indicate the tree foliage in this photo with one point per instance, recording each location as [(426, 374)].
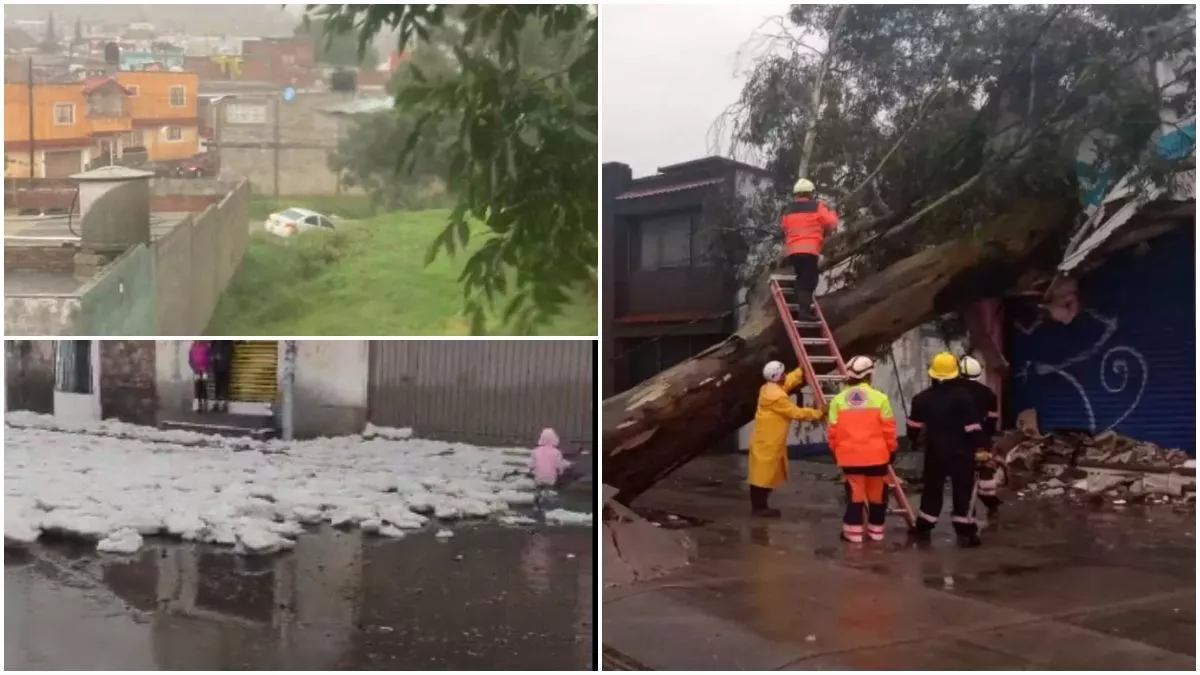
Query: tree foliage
[(928, 120), (522, 155)]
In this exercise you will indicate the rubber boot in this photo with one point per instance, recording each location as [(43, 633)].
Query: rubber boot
[(804, 300), (922, 532), (758, 503), (968, 535), (992, 504)]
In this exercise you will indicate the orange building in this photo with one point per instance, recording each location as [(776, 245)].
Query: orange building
[(74, 124)]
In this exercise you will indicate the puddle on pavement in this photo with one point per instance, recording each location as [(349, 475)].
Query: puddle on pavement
[(487, 598)]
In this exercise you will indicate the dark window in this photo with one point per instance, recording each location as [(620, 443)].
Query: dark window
[(666, 242), (648, 357), (73, 366)]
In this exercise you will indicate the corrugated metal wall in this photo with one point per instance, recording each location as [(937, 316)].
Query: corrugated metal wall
[(494, 392), (1128, 361)]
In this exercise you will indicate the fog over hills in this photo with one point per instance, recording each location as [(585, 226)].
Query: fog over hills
[(230, 20)]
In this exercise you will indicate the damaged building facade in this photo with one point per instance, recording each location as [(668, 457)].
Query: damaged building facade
[(487, 393)]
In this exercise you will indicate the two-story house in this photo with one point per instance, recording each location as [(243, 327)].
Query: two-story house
[(69, 125), (165, 114), (670, 291)]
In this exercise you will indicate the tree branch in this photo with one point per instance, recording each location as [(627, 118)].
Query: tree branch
[(814, 113)]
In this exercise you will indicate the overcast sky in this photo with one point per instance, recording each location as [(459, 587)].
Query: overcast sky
[(668, 71)]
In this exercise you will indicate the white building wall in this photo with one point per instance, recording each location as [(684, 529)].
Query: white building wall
[(172, 377), (331, 386)]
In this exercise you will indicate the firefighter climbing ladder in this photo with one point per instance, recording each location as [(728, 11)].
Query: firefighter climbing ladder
[(831, 375)]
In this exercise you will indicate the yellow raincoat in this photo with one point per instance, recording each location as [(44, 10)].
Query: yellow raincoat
[(768, 443)]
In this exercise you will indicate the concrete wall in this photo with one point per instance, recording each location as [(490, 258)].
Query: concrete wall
[(302, 171), (41, 315), (166, 194), (120, 300), (192, 195), (59, 259), (196, 261), (29, 375), (127, 381), (305, 137), (331, 387), (172, 378)]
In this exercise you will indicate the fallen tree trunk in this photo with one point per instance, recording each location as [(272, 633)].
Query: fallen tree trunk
[(666, 421)]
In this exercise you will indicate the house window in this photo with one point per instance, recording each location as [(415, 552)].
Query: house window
[(246, 113), (133, 90), (105, 105), (670, 242), (64, 114), (174, 133), (177, 96)]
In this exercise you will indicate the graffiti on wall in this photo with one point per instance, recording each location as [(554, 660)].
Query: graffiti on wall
[(1113, 361)]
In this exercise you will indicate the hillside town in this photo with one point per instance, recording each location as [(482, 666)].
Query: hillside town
[(137, 95)]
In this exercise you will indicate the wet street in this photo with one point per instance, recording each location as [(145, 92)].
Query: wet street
[(1055, 586), (490, 598)]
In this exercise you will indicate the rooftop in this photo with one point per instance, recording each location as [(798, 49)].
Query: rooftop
[(33, 232)]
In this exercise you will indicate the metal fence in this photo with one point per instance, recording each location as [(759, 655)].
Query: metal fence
[(495, 392)]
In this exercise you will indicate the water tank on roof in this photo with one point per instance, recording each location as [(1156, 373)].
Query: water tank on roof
[(114, 208)]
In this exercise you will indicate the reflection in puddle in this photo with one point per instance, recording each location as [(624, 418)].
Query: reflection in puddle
[(490, 598)]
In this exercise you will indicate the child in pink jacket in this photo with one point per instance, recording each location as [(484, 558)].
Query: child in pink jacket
[(547, 464)]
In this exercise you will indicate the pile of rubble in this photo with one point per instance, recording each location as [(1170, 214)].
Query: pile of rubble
[(1105, 467)]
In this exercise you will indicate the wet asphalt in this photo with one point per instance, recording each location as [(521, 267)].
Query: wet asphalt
[(490, 597), (1056, 586)]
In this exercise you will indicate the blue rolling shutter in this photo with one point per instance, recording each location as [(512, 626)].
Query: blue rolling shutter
[(1128, 360)]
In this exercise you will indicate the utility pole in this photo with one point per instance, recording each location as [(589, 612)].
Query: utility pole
[(275, 113), (288, 393), (29, 85)]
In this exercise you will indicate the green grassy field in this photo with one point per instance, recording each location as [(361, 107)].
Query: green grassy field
[(365, 278)]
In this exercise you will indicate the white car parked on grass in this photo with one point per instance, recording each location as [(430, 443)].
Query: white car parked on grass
[(291, 221)]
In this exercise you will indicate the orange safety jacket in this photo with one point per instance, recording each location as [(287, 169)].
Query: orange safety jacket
[(862, 429), (805, 222)]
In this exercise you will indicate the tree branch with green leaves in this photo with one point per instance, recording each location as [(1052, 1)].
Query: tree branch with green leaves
[(522, 100)]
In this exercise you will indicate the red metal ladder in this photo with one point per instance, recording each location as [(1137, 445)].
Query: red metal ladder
[(826, 381)]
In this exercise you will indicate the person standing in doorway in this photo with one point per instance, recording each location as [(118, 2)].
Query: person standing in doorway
[(199, 358), (805, 223), (222, 366)]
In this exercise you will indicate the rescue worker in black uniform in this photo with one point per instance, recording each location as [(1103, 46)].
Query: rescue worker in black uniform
[(986, 403), (945, 417)]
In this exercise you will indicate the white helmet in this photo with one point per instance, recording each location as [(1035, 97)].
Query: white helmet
[(804, 186), (970, 368), (773, 371), (860, 367)]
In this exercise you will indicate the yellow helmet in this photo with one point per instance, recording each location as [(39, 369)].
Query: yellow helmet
[(804, 186), (943, 367)]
